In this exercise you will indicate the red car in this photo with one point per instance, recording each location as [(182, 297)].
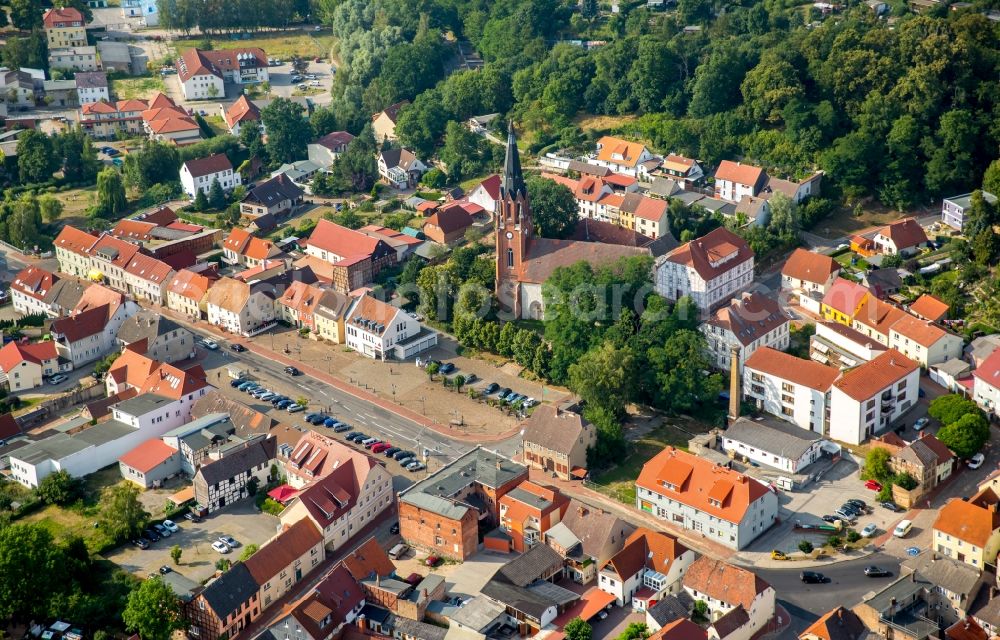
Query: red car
[(874, 486), (432, 561), (380, 447)]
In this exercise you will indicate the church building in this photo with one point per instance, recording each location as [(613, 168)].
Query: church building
[(524, 261)]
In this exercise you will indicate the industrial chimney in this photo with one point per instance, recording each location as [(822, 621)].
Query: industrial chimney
[(734, 382)]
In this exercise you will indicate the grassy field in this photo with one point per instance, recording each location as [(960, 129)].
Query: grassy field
[(602, 123), (78, 519), (140, 88), (619, 482), (277, 45), (217, 124), (75, 203)]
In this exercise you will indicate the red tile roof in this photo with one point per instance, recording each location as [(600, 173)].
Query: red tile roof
[(810, 266), (8, 426), (680, 629), (369, 558), (989, 370), (713, 254), (392, 111), (878, 315), (101, 106), (189, 284), (492, 186), (966, 629), (797, 370), (134, 229), (845, 296), (749, 317), (696, 479), (904, 233), (132, 368), (114, 250), (83, 324), (838, 624), (174, 383), (335, 140), (870, 378), (65, 17), (929, 308), (450, 219), (131, 105), (645, 548), (628, 152), (969, 522), (34, 282), (148, 455), (283, 550), (724, 582), (74, 240), (149, 269), (341, 241), (920, 331), (739, 173), (242, 111), (13, 354), (214, 163)]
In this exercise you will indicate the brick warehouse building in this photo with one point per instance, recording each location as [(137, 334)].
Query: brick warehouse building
[(447, 512)]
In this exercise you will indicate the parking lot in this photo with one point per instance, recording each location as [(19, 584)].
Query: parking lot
[(317, 87), (241, 521)]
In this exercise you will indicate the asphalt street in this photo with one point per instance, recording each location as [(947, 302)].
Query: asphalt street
[(848, 583)]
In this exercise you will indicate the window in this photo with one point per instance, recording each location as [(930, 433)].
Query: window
[(510, 258)]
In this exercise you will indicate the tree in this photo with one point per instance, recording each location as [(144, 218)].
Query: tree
[(877, 465), (58, 488), (51, 207), (29, 550), (223, 564), (216, 196), (951, 408), (153, 611), (991, 179), (699, 612), (25, 14), (121, 514), (432, 368), (111, 200), (288, 132), (251, 137), (634, 631), (248, 551), (805, 546), (175, 553), (31, 51), (36, 160), (967, 435), (156, 163), (200, 200), (77, 156), (578, 629), (604, 377), (357, 170), (553, 208)]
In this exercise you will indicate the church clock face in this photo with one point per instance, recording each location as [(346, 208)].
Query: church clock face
[(509, 235)]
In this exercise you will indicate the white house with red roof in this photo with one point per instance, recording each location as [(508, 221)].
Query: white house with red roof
[(649, 566), (198, 175), (29, 289), (239, 113), (150, 463), (740, 604), (25, 366), (809, 272), (163, 120), (486, 194), (868, 399), (688, 491), (904, 237), (748, 322), (90, 331), (986, 384), (379, 330), (709, 269), (733, 180), (324, 151), (621, 156), (334, 243), (790, 388), (341, 489), (198, 77), (64, 27), (243, 248)]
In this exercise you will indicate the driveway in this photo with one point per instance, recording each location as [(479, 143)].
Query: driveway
[(242, 521)]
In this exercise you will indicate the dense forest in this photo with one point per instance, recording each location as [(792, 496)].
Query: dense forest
[(904, 107)]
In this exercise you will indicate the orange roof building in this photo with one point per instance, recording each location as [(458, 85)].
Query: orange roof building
[(923, 341), (528, 511), (150, 463), (620, 155), (872, 397), (839, 623), (842, 300), (737, 598), (809, 271), (929, 308), (733, 180), (969, 531), (903, 237), (788, 387), (730, 508), (709, 269), (649, 565)]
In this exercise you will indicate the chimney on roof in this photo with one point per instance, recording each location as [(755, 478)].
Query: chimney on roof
[(734, 383)]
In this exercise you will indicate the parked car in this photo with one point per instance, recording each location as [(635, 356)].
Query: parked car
[(432, 561), (469, 379), (358, 437), (278, 400), (380, 447), (352, 435), (407, 460), (976, 461), (141, 543), (503, 392), (59, 378), (192, 517), (163, 531), (221, 547), (238, 348), (284, 404), (388, 453), (490, 388), (921, 423), (403, 454), (446, 368), (370, 442), (830, 519), (873, 485), (171, 525), (294, 408), (330, 422), (237, 382), (415, 466), (529, 402), (891, 506), (229, 541), (151, 535), (860, 504), (340, 428), (309, 416), (869, 531), (873, 571), (243, 385), (209, 344), (812, 577), (778, 555)]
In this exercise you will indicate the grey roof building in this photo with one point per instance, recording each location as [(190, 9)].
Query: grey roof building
[(229, 591), (775, 437), (523, 587), (671, 607), (63, 296), (480, 614)]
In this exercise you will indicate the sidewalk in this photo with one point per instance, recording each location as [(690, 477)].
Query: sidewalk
[(327, 378), (576, 489)]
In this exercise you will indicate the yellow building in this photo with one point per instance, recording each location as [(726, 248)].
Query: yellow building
[(969, 531), (842, 301), (65, 28), (329, 316)]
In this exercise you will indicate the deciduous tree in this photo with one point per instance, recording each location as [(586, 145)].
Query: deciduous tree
[(111, 200), (153, 610), (121, 513), (288, 132), (553, 208)]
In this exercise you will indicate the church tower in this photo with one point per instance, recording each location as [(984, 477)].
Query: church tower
[(514, 229)]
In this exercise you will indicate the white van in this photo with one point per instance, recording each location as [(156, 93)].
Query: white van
[(398, 551), (902, 529)]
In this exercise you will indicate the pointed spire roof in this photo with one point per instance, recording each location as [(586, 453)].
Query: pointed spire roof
[(513, 180)]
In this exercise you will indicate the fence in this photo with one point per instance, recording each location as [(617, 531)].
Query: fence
[(47, 408)]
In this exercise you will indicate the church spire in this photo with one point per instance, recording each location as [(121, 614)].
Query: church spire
[(513, 180)]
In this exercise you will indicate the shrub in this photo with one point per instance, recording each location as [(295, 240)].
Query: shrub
[(853, 536), (835, 541), (805, 546)]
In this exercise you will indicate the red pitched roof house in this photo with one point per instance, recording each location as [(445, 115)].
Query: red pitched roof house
[(29, 289), (904, 237), (334, 244), (809, 271), (326, 150), (61, 18), (649, 566), (22, 367), (929, 308), (675, 482), (447, 225), (733, 594), (709, 269), (239, 113), (866, 400), (733, 180), (150, 463), (199, 174), (486, 194), (243, 248)]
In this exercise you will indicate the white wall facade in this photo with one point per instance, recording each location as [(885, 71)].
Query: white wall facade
[(947, 347), (661, 584), (720, 340), (760, 613), (796, 403), (732, 191), (203, 87), (371, 344), (854, 422), (674, 281), (229, 179)]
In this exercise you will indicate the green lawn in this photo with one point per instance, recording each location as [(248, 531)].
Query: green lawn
[(142, 87), (277, 45), (619, 481), (79, 518)]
